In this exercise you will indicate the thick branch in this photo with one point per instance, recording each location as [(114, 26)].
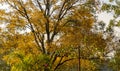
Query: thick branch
[(40, 7), (62, 13)]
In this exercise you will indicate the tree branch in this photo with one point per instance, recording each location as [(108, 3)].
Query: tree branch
[(40, 7)]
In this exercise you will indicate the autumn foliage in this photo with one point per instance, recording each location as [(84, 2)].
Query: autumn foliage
[(51, 35)]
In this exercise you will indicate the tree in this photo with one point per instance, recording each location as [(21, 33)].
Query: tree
[(57, 28), (115, 22)]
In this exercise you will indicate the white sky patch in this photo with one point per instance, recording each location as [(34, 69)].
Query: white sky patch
[(107, 1), (105, 17), (2, 26), (4, 6), (117, 31)]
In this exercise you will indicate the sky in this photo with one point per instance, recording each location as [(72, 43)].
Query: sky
[(104, 16)]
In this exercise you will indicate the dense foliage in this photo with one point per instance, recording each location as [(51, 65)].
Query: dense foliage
[(57, 35)]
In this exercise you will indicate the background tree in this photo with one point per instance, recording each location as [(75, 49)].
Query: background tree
[(113, 7)]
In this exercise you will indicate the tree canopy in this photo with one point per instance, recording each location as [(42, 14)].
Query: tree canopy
[(54, 35)]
